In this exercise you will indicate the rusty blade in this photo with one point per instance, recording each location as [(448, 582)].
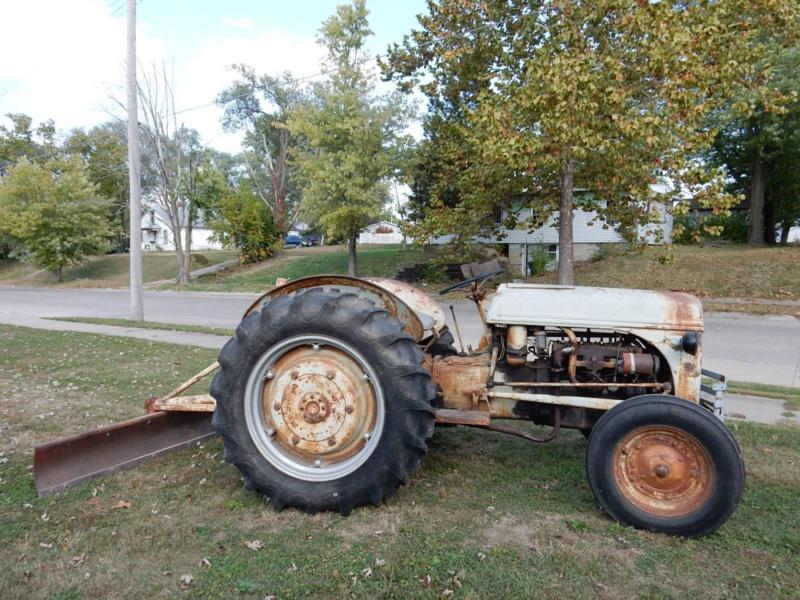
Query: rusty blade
[(64, 463)]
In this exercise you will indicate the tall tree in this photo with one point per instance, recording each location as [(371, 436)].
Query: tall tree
[(542, 97), (260, 105), (759, 144), (168, 152), (53, 212), (104, 151), (350, 134)]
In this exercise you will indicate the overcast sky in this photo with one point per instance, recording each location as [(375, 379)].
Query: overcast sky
[(63, 59)]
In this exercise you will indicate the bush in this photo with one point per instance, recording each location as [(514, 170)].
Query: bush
[(694, 229), (537, 260)]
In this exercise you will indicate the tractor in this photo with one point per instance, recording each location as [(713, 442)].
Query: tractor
[(327, 394)]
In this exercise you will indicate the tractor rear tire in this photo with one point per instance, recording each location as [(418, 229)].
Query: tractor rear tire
[(665, 464), (323, 402)]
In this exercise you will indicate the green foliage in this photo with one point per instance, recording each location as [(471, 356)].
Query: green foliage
[(260, 105), (537, 260), (763, 142), (243, 221), (522, 93), (350, 133), (695, 229), (53, 212), (104, 151)]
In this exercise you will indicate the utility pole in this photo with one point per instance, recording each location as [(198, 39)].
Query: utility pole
[(135, 250)]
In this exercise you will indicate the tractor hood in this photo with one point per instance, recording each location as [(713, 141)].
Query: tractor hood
[(594, 307)]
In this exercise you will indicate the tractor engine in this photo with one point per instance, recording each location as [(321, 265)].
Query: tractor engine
[(583, 362)]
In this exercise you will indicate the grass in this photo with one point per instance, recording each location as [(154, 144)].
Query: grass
[(791, 396), (146, 325), (110, 270), (380, 261), (709, 272), (487, 516)]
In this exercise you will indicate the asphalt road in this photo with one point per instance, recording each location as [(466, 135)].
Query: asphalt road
[(744, 347)]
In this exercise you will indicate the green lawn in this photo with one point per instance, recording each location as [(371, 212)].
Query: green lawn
[(488, 516), (110, 270), (381, 261)]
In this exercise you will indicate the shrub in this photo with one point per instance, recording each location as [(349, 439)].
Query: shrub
[(537, 260)]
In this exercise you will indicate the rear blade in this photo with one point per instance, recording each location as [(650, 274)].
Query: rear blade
[(64, 463)]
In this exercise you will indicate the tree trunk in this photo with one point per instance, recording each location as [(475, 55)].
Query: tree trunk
[(785, 227), (758, 179), (59, 273), (183, 276), (187, 249), (352, 260), (770, 216), (566, 267)]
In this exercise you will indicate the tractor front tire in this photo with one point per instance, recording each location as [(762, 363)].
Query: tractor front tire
[(665, 464), (323, 402)]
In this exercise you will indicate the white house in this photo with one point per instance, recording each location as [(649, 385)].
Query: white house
[(157, 235), (589, 232), (382, 232)]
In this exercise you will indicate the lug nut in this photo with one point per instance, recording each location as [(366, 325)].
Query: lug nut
[(269, 375)]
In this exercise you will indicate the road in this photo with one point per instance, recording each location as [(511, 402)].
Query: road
[(744, 347)]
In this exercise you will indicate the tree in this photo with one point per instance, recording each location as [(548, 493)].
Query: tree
[(350, 134), (538, 98), (168, 153), (241, 220), (53, 212), (261, 105), (760, 147), (104, 151), (21, 140)]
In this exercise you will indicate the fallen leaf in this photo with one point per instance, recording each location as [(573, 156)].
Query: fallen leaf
[(121, 504), (205, 562), (367, 572), (255, 545), (379, 562), (78, 560), (45, 546), (490, 509), (185, 581), (426, 581), (447, 593)]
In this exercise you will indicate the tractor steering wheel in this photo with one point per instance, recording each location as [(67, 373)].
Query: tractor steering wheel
[(466, 282)]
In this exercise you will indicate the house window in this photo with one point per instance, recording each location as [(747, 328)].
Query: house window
[(552, 253)]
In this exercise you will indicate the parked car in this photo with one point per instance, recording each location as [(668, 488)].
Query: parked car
[(291, 241), (310, 240)]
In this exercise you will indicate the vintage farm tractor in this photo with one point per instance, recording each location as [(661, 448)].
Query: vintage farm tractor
[(329, 389)]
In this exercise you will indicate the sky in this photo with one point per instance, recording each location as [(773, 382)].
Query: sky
[(65, 59)]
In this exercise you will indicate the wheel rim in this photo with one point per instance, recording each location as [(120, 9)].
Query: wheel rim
[(663, 470), (314, 408)]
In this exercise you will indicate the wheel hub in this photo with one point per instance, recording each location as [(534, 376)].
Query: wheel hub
[(663, 470), (319, 403)]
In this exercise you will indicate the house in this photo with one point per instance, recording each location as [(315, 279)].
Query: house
[(157, 234), (589, 230), (382, 232)]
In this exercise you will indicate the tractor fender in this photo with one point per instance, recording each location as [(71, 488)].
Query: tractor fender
[(413, 308)]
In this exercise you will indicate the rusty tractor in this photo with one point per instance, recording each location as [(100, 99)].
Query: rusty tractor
[(329, 390)]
